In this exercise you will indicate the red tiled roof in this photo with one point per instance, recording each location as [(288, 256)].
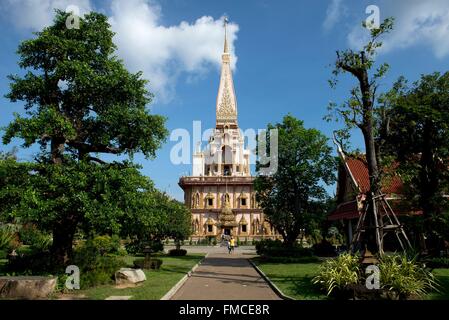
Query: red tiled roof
[(347, 210), (359, 170), (392, 185)]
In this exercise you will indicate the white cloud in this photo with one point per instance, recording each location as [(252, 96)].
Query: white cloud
[(163, 53), (36, 14), (335, 11), (416, 23)]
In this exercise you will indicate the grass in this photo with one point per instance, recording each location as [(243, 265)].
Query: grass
[(293, 279), (442, 275), (158, 282)]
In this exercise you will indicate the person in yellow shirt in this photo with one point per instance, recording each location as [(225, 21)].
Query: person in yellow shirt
[(231, 244)]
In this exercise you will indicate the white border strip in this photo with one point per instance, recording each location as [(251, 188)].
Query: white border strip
[(270, 283), (178, 285)]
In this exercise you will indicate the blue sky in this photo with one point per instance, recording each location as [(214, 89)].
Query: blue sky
[(282, 53)]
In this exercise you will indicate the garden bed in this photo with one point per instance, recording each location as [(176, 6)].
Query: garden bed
[(295, 280), (158, 282)]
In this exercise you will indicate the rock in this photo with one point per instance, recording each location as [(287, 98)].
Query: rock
[(27, 287), (129, 276)]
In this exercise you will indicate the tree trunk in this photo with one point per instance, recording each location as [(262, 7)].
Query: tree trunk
[(375, 189), (429, 186), (371, 159), (62, 247), (57, 149), (290, 238)]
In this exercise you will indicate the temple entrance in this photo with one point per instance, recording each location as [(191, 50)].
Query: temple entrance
[(227, 231)]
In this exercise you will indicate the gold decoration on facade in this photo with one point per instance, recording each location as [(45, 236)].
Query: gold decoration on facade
[(226, 111), (227, 200), (226, 217)]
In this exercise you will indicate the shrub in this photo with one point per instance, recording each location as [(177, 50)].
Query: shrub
[(105, 244), (100, 270), (43, 242), (137, 246), (177, 252), (98, 261), (28, 234), (288, 252), (310, 259), (94, 278), (155, 263), (3, 254), (152, 263), (276, 248), (32, 263), (60, 284), (262, 245), (26, 250), (6, 237), (437, 263), (324, 249), (404, 277), (339, 273), (400, 277)]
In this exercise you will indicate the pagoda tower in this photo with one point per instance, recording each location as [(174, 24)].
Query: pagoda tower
[(220, 192)]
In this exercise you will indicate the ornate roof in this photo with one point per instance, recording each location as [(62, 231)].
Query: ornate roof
[(227, 217)]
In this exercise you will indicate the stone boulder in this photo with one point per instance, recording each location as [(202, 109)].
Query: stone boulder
[(126, 276), (27, 287)]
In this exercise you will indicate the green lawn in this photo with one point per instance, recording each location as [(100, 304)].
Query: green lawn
[(293, 279), (442, 275), (158, 282)]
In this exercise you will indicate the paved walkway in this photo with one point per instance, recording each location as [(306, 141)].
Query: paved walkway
[(224, 276)]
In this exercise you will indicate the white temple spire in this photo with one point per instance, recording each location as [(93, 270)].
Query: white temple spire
[(226, 108), (225, 23)]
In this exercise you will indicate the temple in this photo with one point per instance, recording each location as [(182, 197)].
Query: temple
[(220, 192)]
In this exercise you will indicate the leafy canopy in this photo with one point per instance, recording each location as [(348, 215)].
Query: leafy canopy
[(78, 94), (295, 192)]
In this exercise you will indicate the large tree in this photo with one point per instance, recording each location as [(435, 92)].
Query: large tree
[(80, 102), (292, 195), (156, 217), (415, 131), (359, 111)]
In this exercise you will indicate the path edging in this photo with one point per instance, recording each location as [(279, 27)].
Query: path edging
[(179, 284), (270, 283)]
